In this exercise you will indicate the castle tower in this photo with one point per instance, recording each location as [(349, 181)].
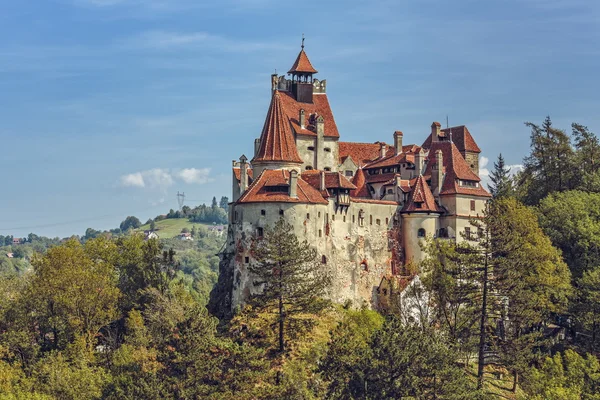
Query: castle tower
[(277, 145), (420, 217), (302, 77)]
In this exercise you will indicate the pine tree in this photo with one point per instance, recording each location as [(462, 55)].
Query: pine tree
[(501, 185), (214, 203), (292, 280)]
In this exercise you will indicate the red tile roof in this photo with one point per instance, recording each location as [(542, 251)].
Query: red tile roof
[(302, 64), (455, 168), (421, 195), (319, 106), (407, 155), (277, 142), (361, 153), (378, 178), (258, 192), (460, 136), (360, 182), (333, 180), (238, 173)]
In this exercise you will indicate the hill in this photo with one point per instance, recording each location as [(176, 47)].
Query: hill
[(170, 228)]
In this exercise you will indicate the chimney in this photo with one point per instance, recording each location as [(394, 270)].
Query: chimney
[(302, 119), (322, 185), (435, 131), (294, 184), (320, 126), (256, 146), (419, 158), (437, 175), (398, 142), (274, 82), (243, 174), (382, 148)]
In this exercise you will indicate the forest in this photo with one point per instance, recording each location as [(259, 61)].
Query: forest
[(513, 314)]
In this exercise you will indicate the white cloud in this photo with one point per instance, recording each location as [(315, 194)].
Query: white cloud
[(159, 178), (194, 175)]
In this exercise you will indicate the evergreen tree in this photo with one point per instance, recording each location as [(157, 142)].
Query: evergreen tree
[(224, 203), (290, 278), (501, 185), (550, 166), (530, 281), (214, 203), (587, 305)]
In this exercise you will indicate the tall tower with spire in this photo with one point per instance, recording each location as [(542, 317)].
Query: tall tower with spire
[(302, 77)]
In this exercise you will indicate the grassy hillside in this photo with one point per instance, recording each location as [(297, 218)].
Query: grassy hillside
[(170, 228)]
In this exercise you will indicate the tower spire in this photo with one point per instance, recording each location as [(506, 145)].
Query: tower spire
[(302, 41)]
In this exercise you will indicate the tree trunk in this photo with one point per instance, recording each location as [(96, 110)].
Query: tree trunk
[(515, 381), (481, 355), (281, 316)]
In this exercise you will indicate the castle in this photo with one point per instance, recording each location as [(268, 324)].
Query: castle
[(364, 206)]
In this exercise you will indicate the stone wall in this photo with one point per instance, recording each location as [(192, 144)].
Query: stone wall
[(356, 241)]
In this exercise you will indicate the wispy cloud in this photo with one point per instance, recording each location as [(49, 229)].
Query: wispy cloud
[(170, 40), (159, 178)]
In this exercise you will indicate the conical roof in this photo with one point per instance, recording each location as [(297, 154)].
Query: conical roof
[(277, 141), (360, 182), (421, 199), (302, 64)]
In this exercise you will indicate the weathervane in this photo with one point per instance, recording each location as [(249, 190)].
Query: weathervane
[(303, 40)]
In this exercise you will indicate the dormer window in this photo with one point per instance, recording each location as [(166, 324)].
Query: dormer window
[(327, 169), (309, 167), (418, 204)]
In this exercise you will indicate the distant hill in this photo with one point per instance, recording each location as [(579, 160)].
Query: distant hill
[(170, 228)]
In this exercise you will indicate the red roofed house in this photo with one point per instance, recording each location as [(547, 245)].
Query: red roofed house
[(364, 206)]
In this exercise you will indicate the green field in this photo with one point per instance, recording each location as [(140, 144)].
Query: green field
[(170, 228)]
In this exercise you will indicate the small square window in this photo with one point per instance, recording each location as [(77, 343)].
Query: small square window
[(263, 212), (378, 221), (387, 221), (280, 212), (472, 205), (320, 233), (333, 217), (246, 260), (344, 218), (260, 232), (319, 214), (307, 216)]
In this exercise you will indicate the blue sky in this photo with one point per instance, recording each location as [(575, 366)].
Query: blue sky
[(109, 107)]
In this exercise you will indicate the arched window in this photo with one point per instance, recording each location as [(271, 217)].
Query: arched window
[(421, 233), (324, 259), (363, 265)]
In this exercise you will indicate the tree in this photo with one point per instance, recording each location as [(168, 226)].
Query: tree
[(152, 225), (565, 376), (130, 222), (74, 290), (214, 202), (550, 165), (587, 157), (224, 203), (290, 278), (501, 185), (193, 231), (587, 306), (530, 281)]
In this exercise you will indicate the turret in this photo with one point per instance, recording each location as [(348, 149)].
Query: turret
[(437, 174), (294, 184), (302, 77), (419, 159), (243, 174)]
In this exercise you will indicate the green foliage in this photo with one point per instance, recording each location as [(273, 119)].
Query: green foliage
[(290, 279), (130, 223), (587, 306), (566, 376), (502, 185)]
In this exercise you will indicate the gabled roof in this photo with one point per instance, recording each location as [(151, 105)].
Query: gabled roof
[(319, 106), (407, 155), (333, 180), (455, 168), (258, 192), (378, 178), (361, 153), (277, 141), (361, 185), (421, 199), (460, 136), (302, 64)]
